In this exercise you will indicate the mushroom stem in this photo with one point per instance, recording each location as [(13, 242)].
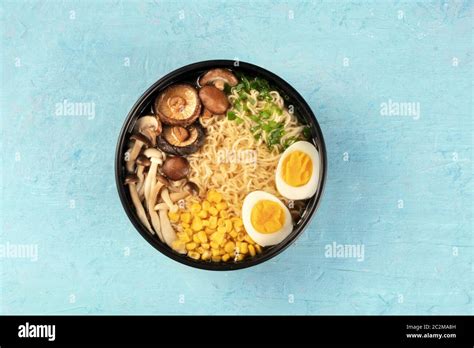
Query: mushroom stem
[(138, 207), (176, 196), (161, 206), (140, 141), (155, 220), (165, 195), (150, 134), (156, 159), (141, 189), (151, 177), (137, 146), (168, 233), (141, 179)]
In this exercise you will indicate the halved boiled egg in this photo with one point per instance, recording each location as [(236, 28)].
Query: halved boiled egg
[(266, 219), (297, 174)]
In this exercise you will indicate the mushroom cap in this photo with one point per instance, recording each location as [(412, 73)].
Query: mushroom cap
[(148, 121), (191, 188), (175, 168), (214, 99), (169, 142), (179, 134), (141, 138), (151, 152), (206, 114), (163, 180), (149, 126), (178, 105), (131, 179), (142, 160), (218, 77)]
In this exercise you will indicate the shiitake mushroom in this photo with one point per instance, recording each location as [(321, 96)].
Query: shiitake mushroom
[(178, 105), (175, 168), (214, 99), (181, 141), (219, 78)]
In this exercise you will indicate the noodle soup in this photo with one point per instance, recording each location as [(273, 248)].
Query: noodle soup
[(220, 168)]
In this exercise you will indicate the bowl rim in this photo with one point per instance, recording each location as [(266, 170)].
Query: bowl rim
[(137, 108)]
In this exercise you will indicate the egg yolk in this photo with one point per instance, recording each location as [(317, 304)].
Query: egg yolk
[(297, 169), (267, 216)]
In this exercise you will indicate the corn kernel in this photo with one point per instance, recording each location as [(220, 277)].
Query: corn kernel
[(248, 239), (216, 258), (221, 206), (228, 225), (217, 197), (239, 228), (258, 248), (206, 205), (209, 230), (229, 247), (206, 255), (239, 257), (174, 217), (195, 208), (185, 225), (244, 248), (213, 211), (205, 223), (196, 239), (225, 257), (188, 231), (183, 236), (214, 196), (194, 255), (215, 252), (202, 236), (223, 214), (214, 245), (241, 236), (233, 234), (217, 237), (206, 246), (202, 214), (191, 246), (213, 222), (237, 222), (200, 250), (220, 221), (251, 250), (222, 252), (221, 229), (197, 224), (186, 218), (179, 246)]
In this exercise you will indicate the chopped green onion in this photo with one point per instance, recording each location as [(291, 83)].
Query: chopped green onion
[(307, 132), (231, 115)]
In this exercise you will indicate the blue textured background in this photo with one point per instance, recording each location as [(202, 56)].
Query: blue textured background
[(58, 188)]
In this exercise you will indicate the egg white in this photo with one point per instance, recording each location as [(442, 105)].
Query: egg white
[(307, 190), (265, 239)]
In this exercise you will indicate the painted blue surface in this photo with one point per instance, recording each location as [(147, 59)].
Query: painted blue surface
[(399, 185)]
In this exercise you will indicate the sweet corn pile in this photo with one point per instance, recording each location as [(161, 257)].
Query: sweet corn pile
[(207, 231)]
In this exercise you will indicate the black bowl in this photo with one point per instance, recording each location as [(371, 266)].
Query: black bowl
[(190, 73)]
